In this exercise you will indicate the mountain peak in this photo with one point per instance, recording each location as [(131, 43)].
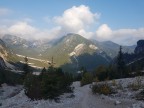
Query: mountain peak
[(72, 38), (73, 35), (109, 43)]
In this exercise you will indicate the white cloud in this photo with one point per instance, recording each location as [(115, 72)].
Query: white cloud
[(47, 19), (21, 28), (85, 34), (121, 36), (104, 32), (76, 18), (48, 34), (4, 11), (27, 31)]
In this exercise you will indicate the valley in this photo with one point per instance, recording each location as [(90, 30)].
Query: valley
[(70, 52), (82, 61)]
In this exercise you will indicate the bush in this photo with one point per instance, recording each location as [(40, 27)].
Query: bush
[(101, 73), (2, 79), (49, 85), (133, 86), (140, 96), (114, 83), (137, 84), (9, 77), (86, 79), (102, 88), (32, 86)]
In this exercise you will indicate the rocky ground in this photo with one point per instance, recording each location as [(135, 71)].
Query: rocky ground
[(14, 97)]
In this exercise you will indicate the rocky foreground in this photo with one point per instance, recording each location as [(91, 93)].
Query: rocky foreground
[(82, 97)]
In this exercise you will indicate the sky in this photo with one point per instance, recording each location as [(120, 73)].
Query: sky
[(120, 21)]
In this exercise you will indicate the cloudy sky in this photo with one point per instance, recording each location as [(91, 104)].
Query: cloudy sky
[(121, 21)]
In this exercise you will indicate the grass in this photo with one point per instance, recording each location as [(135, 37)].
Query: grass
[(102, 88)]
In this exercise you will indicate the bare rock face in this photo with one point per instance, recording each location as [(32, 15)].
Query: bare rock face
[(3, 50), (3, 54), (140, 47), (2, 63)]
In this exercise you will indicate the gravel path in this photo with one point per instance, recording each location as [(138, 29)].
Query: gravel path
[(83, 99), (89, 100)]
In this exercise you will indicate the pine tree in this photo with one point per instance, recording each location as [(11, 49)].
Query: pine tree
[(120, 63), (43, 70), (26, 67), (51, 65), (101, 73)]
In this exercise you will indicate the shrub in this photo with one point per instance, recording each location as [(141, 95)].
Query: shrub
[(137, 84), (96, 79), (32, 86), (49, 85), (140, 96), (2, 79), (114, 83), (86, 79), (9, 77), (133, 86), (101, 73), (102, 88)]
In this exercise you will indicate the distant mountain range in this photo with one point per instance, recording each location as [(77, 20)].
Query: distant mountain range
[(71, 52), (112, 48), (136, 60)]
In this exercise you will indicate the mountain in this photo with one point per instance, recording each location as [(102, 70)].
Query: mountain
[(70, 52), (25, 47), (3, 50), (5, 56), (2, 63), (136, 60), (112, 48), (140, 47), (74, 51), (33, 49)]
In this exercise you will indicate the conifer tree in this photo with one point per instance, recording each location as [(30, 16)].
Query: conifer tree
[(51, 65), (121, 64), (43, 70), (26, 67)]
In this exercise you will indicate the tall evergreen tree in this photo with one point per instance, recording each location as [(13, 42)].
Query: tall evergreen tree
[(26, 67), (121, 67), (42, 72), (51, 65)]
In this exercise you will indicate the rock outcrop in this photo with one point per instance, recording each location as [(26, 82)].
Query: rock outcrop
[(3, 55), (140, 47), (3, 50), (2, 63)]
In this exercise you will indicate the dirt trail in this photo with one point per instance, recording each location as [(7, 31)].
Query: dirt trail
[(89, 100), (83, 99), (83, 103)]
